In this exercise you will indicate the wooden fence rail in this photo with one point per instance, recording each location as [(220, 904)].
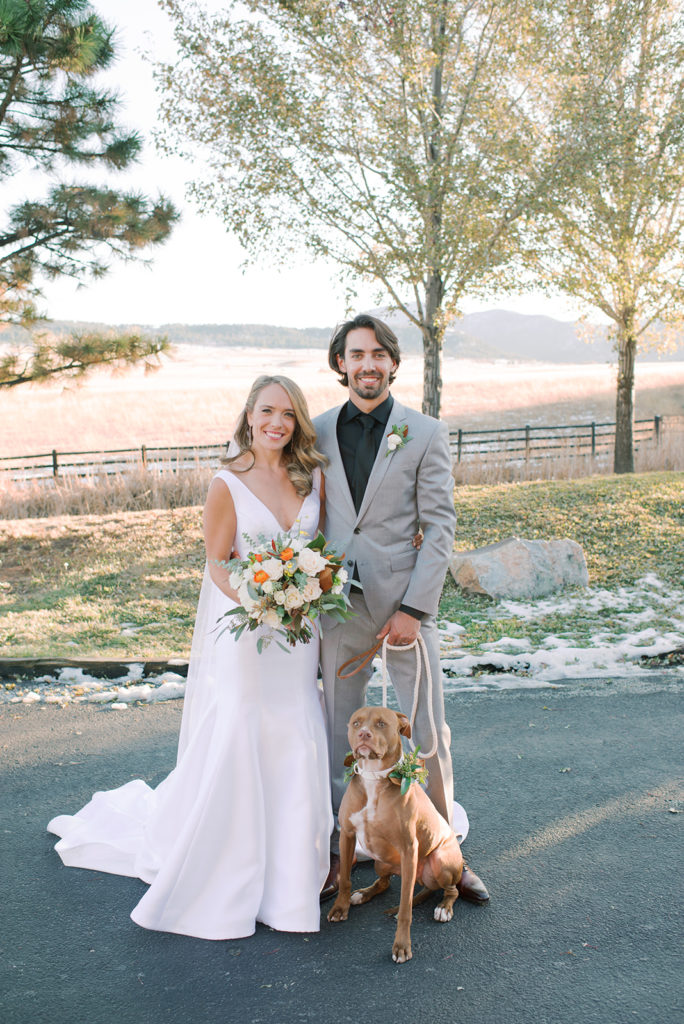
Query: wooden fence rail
[(510, 445), (524, 444), (48, 465)]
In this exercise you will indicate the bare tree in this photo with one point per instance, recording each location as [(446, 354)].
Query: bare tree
[(616, 241), (406, 142)]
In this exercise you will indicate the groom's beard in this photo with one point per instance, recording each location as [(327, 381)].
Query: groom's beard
[(369, 390)]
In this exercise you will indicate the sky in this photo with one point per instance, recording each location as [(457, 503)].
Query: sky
[(198, 275)]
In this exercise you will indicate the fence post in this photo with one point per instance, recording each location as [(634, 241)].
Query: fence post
[(657, 422), (143, 454), (527, 443), (593, 438), (459, 445), (54, 462)]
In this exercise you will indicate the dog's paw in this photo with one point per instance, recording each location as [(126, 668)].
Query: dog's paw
[(339, 912), (401, 952), (443, 913)]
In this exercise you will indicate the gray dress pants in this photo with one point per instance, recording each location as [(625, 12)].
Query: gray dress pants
[(343, 696)]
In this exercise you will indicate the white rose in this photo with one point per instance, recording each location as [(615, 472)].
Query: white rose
[(271, 618), (311, 562), (245, 598), (312, 590), (235, 579), (279, 597), (267, 587), (293, 599), (274, 568), (393, 441)]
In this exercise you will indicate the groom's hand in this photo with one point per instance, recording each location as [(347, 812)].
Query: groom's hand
[(400, 629)]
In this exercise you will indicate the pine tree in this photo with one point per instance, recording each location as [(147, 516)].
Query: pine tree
[(53, 118)]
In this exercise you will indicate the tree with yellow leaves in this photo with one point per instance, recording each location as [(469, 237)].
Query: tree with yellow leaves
[(406, 142), (615, 240)]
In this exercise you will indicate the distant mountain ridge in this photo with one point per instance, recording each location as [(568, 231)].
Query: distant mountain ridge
[(492, 334), (503, 334)]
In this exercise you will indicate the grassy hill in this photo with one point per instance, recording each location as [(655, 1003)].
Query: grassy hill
[(126, 584)]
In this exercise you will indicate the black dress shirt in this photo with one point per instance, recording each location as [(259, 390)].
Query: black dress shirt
[(350, 432)]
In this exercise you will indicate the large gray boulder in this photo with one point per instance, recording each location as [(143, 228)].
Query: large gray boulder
[(519, 568)]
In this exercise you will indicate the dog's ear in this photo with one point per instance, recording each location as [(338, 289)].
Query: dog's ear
[(404, 726)]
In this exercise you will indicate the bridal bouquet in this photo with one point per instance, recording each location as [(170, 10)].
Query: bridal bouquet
[(286, 583)]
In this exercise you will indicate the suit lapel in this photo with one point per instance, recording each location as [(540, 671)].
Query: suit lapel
[(382, 460), (329, 445)]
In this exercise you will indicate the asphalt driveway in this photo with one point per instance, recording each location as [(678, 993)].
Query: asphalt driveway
[(570, 792)]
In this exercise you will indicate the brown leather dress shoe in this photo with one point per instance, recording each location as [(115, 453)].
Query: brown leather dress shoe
[(471, 887), (332, 882)]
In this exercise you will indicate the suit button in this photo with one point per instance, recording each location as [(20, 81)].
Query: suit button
[(350, 561), (357, 529)]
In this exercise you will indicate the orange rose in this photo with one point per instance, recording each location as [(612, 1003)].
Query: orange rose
[(286, 554), (261, 576), (258, 558)]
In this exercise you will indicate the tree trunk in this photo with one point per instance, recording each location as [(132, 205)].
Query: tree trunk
[(623, 461), (432, 373), (432, 348), (432, 327)]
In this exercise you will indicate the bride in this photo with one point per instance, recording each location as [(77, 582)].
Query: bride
[(239, 831)]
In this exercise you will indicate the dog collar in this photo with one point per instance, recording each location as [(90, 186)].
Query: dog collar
[(366, 773)]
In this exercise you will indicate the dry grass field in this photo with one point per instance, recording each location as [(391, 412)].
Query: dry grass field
[(125, 583), (198, 392)]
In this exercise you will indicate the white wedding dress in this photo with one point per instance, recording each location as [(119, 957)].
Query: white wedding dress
[(239, 831)]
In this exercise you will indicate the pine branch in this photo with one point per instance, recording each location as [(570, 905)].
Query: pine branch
[(77, 355)]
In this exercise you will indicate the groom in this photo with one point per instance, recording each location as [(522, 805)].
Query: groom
[(389, 474)]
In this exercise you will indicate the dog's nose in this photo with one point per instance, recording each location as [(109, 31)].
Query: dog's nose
[(364, 734)]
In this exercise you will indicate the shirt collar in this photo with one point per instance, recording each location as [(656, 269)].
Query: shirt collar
[(381, 413)]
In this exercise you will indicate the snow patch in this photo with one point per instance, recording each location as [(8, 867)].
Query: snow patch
[(503, 664), (73, 686)]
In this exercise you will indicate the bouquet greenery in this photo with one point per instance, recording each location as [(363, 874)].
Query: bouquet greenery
[(286, 583)]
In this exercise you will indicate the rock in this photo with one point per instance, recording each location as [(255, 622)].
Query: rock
[(518, 568)]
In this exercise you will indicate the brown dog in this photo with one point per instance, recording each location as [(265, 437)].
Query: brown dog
[(405, 834)]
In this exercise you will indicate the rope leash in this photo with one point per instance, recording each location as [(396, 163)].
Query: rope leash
[(359, 661)]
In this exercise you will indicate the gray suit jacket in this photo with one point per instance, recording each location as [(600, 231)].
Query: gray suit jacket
[(411, 487)]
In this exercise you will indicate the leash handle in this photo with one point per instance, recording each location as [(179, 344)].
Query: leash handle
[(421, 655), (363, 659)]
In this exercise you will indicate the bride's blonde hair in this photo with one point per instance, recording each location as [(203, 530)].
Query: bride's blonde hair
[(300, 455)]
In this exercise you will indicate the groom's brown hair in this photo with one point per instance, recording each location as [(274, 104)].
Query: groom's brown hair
[(384, 335)]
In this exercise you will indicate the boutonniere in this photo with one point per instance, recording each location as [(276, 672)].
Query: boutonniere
[(398, 437)]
